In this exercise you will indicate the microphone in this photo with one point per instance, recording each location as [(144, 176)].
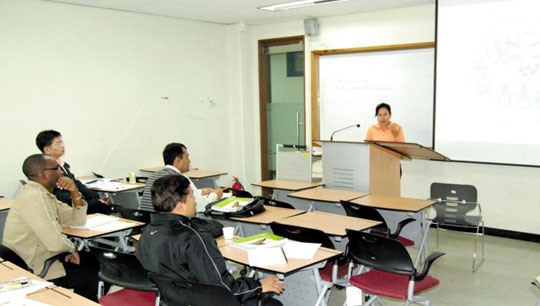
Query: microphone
[(347, 127)]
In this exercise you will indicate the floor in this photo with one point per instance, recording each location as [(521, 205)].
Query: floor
[(503, 279)]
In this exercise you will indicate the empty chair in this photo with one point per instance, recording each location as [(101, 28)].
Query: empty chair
[(370, 213), (124, 270), (127, 199), (183, 293), (9, 255), (392, 271), (458, 208), (333, 271)]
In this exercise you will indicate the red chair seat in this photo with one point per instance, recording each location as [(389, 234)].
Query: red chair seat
[(128, 297), (406, 242), (390, 284), (326, 272)]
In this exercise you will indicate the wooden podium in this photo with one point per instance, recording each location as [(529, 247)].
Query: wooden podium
[(372, 167)]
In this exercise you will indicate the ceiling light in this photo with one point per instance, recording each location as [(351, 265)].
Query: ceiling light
[(296, 4)]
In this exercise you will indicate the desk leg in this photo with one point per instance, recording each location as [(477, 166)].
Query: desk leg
[(301, 287), (423, 248)]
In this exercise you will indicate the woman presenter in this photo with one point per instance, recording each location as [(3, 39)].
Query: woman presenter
[(385, 130)]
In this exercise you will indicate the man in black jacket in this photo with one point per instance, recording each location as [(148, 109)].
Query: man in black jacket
[(50, 143), (170, 245)]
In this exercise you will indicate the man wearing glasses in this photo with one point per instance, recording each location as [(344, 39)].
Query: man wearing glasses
[(33, 227), (50, 143)]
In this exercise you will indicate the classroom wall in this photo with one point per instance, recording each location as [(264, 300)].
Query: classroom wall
[(118, 85), (509, 195)]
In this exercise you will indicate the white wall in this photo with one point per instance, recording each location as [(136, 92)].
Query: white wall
[(509, 195), (98, 76)]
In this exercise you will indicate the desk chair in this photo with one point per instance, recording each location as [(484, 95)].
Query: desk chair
[(9, 255), (124, 270), (183, 293), (366, 212), (453, 208), (331, 274), (393, 273)]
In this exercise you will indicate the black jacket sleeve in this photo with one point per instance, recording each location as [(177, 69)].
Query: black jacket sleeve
[(203, 254)]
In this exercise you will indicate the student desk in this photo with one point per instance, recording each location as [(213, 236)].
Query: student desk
[(282, 188), (298, 274), (201, 178), (331, 224), (326, 199), (257, 224), (82, 236), (395, 208), (51, 295), (5, 205)]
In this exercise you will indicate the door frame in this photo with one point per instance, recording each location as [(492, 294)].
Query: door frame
[(265, 92)]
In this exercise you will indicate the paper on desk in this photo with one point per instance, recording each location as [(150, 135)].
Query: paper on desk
[(19, 294), (300, 250), (266, 257), (112, 226), (108, 184), (95, 221)]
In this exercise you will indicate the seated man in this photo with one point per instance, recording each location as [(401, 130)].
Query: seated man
[(170, 246), (33, 226), (50, 143), (177, 161)]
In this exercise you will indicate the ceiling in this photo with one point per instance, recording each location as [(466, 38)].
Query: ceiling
[(235, 11)]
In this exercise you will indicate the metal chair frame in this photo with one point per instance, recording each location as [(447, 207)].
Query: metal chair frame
[(452, 210)]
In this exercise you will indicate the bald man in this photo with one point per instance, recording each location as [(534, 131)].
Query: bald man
[(33, 227)]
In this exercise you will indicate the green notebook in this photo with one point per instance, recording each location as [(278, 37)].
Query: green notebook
[(264, 240), (232, 204)]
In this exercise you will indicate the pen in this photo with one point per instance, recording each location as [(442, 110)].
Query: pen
[(93, 181), (286, 260), (15, 284)]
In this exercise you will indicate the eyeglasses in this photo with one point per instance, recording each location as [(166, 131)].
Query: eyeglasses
[(55, 168), (57, 144)]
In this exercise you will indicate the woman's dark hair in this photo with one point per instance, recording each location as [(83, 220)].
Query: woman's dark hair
[(383, 105), (168, 190)]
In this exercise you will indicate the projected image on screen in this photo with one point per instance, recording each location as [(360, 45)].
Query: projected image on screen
[(488, 81)]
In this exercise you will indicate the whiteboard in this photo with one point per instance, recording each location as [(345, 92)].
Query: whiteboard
[(351, 86)]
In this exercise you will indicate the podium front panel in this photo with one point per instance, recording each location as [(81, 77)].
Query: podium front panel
[(346, 166)]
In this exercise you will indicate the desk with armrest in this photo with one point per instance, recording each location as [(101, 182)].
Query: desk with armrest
[(120, 229), (201, 178), (282, 188), (327, 199), (297, 274), (52, 295), (248, 226)]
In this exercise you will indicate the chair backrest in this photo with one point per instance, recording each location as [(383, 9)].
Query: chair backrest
[(184, 293), (302, 234), (364, 212), (122, 270), (276, 203), (449, 211), (9, 255), (379, 253), (135, 214), (127, 199)]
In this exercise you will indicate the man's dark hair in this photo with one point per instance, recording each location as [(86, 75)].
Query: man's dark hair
[(33, 164), (171, 151), (383, 105), (168, 190), (45, 138)]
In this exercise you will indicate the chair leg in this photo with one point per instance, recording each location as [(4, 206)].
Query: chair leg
[(158, 299), (481, 260), (437, 235), (101, 289)]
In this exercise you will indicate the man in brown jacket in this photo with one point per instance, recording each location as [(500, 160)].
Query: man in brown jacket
[(33, 227)]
